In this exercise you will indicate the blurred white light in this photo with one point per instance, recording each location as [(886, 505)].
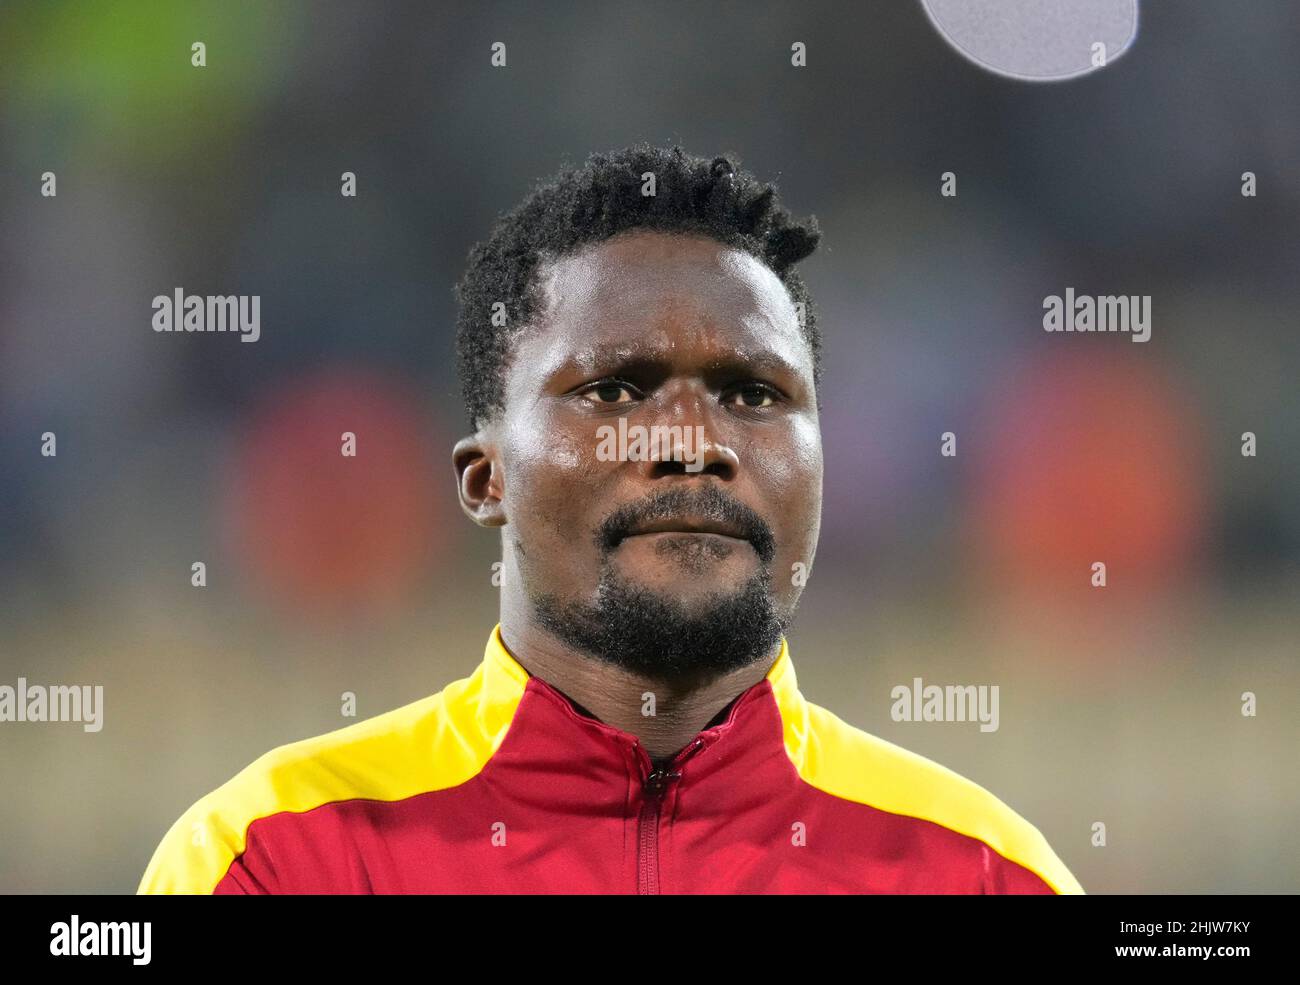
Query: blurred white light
[(1037, 40)]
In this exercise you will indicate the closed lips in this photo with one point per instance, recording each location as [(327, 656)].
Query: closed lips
[(687, 526)]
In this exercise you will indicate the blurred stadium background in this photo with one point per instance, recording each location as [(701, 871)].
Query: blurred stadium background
[(1120, 706)]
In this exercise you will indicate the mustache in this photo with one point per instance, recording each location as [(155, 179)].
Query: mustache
[(708, 502)]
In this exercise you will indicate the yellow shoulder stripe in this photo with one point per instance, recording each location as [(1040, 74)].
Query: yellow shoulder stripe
[(432, 744), (847, 762)]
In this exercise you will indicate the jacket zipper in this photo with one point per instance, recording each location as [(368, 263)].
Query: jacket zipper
[(654, 785)]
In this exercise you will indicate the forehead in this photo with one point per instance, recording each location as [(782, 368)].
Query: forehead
[(662, 292)]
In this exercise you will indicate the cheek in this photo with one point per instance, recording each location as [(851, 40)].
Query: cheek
[(793, 478), (550, 485)]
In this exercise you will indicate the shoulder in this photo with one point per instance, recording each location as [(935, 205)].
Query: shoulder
[(437, 742), (855, 765)]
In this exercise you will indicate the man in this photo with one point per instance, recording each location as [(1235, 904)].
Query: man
[(635, 724)]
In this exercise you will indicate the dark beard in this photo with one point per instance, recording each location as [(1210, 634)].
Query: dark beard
[(654, 635)]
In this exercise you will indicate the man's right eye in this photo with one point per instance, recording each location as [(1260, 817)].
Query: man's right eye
[(608, 392)]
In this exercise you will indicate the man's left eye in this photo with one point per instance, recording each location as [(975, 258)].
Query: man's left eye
[(759, 392)]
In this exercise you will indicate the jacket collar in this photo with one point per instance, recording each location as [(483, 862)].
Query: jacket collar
[(773, 707)]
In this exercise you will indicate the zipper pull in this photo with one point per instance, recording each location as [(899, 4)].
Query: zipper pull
[(658, 780)]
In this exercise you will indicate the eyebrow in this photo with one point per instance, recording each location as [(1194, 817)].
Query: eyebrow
[(613, 358)]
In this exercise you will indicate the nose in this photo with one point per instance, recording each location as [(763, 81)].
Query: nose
[(690, 441)]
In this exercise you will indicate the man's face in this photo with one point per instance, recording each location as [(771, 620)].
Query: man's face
[(676, 331)]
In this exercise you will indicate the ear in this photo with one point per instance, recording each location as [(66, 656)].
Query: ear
[(479, 483)]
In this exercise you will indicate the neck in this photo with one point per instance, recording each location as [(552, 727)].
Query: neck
[(682, 708)]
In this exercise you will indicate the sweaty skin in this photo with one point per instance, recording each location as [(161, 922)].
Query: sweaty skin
[(692, 329)]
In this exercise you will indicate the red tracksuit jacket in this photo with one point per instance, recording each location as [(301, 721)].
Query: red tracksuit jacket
[(497, 784)]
